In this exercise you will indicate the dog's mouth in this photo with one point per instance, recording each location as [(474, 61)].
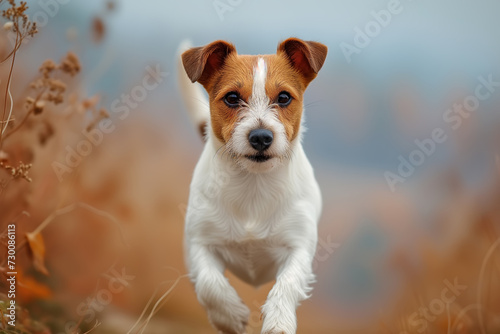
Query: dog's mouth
[(259, 157)]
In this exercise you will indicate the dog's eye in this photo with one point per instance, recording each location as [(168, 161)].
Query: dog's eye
[(232, 99), (284, 99)]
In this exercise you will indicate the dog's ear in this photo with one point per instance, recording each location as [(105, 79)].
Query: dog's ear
[(202, 62), (307, 57)]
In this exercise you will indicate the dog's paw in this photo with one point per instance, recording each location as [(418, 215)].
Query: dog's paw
[(231, 318), (278, 318), (278, 331)]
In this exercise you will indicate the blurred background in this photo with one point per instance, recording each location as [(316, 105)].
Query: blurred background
[(403, 132)]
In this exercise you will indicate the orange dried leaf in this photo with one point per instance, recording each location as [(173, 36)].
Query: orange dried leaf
[(30, 289), (37, 248)]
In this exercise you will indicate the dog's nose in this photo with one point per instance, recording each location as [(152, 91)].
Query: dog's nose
[(260, 139)]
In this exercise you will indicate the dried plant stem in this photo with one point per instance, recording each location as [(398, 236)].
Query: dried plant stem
[(68, 209), (25, 213), (94, 297), (449, 318), (17, 46), (461, 314), (82, 205), (480, 283), (11, 103), (18, 126), (3, 186), (7, 92), (157, 306), (25, 117), (77, 326), (145, 309), (97, 324), (10, 54), (14, 50)]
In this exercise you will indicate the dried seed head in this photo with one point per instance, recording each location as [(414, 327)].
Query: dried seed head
[(103, 113), (70, 64), (18, 20), (28, 103), (39, 105), (20, 171), (56, 85), (8, 25), (47, 67), (46, 133)]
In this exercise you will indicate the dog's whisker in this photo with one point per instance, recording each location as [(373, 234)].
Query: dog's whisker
[(311, 104), (216, 152), (203, 102), (227, 152)]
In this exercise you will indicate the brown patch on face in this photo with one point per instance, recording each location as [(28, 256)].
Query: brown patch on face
[(282, 77), (235, 76)]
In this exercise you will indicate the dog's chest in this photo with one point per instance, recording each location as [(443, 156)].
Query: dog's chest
[(254, 261), (253, 250), (254, 201)]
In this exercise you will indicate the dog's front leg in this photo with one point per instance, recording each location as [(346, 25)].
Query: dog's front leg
[(225, 309), (292, 285)]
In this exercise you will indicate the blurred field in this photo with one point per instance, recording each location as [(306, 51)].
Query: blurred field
[(101, 242)]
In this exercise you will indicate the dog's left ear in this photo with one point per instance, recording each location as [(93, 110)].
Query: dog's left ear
[(307, 57), (202, 62)]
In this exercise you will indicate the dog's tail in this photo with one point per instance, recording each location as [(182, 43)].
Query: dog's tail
[(192, 93)]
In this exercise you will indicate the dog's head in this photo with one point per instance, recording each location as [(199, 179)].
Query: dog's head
[(256, 102)]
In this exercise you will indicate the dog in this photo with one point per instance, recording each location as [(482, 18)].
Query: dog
[(254, 202)]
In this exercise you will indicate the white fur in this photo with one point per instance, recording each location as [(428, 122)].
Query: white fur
[(258, 220), (193, 95), (259, 113)]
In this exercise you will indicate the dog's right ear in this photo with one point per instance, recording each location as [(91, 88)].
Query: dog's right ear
[(202, 62)]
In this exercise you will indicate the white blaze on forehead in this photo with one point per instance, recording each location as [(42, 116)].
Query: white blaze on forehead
[(259, 97), (259, 114)]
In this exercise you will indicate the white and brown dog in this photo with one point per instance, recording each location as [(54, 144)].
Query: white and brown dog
[(254, 203)]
